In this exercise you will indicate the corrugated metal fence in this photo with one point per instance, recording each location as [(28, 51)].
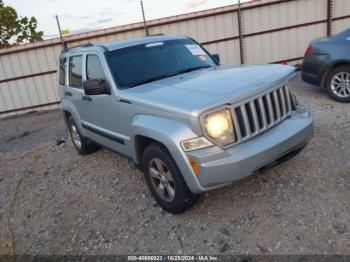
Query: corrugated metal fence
[(273, 31)]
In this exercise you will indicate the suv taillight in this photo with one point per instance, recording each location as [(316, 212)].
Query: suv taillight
[(308, 50)]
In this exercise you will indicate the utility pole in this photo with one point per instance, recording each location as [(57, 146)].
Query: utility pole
[(60, 31), (144, 19)]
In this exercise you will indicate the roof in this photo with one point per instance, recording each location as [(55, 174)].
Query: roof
[(110, 46), (140, 41)]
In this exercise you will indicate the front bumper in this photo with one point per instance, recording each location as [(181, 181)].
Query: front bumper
[(219, 167)]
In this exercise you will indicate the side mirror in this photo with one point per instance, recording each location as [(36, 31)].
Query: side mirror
[(95, 87), (216, 58)]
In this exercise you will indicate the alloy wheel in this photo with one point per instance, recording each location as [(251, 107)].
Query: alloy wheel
[(340, 84), (75, 136), (162, 179)]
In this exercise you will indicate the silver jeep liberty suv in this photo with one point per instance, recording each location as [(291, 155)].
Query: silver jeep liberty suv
[(189, 123)]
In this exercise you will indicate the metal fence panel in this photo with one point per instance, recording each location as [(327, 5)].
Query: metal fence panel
[(283, 15), (228, 50), (273, 31), (341, 25), (281, 45), (341, 8)]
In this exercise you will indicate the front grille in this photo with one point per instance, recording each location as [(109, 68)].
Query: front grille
[(255, 116)]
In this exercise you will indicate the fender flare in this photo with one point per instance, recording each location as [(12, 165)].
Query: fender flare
[(69, 107), (170, 133)]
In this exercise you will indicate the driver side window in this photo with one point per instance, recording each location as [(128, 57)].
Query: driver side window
[(94, 69)]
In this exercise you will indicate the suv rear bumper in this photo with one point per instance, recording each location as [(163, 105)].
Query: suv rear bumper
[(220, 167), (311, 79)]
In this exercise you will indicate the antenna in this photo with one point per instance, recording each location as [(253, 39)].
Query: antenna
[(144, 19), (64, 44)]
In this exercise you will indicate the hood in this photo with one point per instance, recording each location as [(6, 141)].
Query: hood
[(207, 88)]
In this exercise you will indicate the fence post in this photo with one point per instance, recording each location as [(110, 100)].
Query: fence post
[(329, 17), (240, 32), (144, 19)]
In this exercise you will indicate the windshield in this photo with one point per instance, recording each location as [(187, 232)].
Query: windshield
[(146, 63)]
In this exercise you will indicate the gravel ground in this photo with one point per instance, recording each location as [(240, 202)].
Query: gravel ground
[(99, 204)]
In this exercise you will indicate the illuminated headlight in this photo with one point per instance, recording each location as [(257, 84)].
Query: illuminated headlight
[(218, 127), (195, 143)]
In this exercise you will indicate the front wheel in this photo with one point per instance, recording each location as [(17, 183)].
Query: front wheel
[(165, 181), (338, 84)]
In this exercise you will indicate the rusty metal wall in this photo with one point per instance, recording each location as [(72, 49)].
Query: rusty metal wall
[(273, 31)]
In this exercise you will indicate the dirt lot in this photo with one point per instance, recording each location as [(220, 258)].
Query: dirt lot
[(99, 204)]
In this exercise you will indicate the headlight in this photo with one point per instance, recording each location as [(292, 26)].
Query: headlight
[(218, 127)]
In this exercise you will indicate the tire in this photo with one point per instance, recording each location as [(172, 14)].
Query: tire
[(338, 84), (82, 144), (156, 158)]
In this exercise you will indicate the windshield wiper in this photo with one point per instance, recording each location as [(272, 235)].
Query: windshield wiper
[(153, 79), (194, 69)]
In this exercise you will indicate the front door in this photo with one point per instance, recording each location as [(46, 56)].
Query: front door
[(101, 115)]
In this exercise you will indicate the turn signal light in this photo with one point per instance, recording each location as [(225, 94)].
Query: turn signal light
[(194, 166)]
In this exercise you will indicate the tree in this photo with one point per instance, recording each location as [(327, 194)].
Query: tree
[(15, 29)]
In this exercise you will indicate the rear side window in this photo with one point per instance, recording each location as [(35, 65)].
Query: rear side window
[(75, 71), (94, 68), (62, 71)]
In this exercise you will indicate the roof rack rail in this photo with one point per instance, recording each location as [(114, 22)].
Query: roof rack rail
[(155, 35), (76, 46)]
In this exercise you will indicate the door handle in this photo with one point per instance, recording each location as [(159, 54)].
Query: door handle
[(68, 93), (87, 98)]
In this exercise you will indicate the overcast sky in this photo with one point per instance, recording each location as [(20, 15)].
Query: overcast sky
[(84, 15)]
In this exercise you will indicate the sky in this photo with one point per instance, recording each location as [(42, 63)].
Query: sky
[(86, 15)]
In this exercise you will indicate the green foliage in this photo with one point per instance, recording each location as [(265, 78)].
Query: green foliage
[(15, 29)]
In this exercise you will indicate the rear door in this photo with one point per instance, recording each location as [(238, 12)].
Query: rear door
[(62, 73), (74, 90)]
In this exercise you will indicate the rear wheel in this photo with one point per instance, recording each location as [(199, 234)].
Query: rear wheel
[(165, 181), (338, 84), (83, 145)]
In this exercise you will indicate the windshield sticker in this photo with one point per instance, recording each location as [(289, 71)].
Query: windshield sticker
[(155, 44), (348, 39), (195, 49), (202, 58)]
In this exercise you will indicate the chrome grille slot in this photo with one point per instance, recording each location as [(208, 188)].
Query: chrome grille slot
[(270, 110), (254, 116), (276, 106), (246, 120), (283, 102), (240, 121)]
